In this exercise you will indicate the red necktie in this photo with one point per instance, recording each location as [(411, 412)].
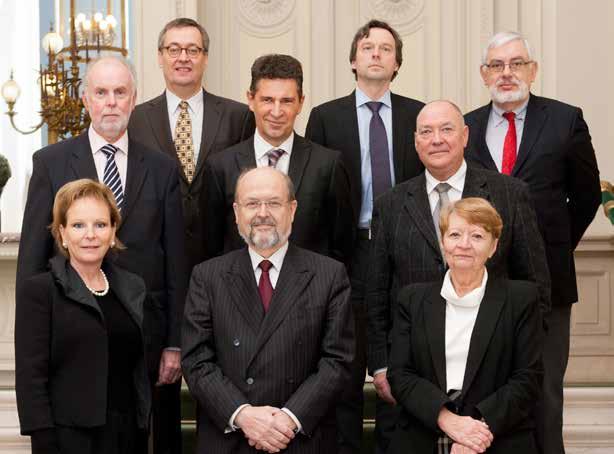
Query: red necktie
[(264, 285), (509, 145)]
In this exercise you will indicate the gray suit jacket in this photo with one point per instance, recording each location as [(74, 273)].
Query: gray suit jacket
[(405, 248), (296, 356)]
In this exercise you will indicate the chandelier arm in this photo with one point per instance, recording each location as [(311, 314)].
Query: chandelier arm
[(16, 128)]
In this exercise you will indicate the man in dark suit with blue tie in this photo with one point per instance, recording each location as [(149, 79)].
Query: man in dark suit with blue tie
[(268, 333), (545, 143)]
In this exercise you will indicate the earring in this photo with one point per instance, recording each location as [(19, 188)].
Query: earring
[(65, 245), (112, 243)]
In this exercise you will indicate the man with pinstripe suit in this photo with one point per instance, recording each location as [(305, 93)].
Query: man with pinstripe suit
[(268, 332)]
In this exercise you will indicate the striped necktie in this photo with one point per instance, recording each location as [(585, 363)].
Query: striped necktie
[(274, 156), (111, 175)]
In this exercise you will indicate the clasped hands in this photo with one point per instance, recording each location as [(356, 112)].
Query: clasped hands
[(470, 435), (268, 429)]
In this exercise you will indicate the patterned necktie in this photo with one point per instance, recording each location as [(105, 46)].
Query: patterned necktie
[(264, 285), (183, 142), (509, 145), (274, 156), (378, 149), (111, 175), (442, 189)]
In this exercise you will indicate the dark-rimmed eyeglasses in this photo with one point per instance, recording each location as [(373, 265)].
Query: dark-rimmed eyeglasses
[(175, 51), (515, 66)]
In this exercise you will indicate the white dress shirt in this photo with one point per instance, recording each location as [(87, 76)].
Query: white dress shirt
[(277, 260), (195, 110), (100, 159), (456, 181), (262, 147), (461, 313), (496, 130)]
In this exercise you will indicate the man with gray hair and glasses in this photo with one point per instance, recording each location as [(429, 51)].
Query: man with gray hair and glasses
[(545, 143), (146, 189)]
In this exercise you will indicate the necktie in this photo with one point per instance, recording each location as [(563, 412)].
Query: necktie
[(183, 142), (264, 285), (274, 156), (509, 145), (111, 175), (378, 149), (442, 189)]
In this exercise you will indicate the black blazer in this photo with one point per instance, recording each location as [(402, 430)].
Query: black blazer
[(406, 251), (323, 220), (557, 160), (335, 125), (151, 229), (502, 379), (296, 356), (61, 351), (225, 123)]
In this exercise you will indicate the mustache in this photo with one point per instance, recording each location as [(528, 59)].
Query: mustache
[(269, 221), (507, 80)]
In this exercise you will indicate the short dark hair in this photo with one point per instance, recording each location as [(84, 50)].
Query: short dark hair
[(277, 66), (363, 32), (182, 22)]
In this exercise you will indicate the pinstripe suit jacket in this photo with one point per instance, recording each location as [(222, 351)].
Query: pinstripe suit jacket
[(405, 249), (296, 356)]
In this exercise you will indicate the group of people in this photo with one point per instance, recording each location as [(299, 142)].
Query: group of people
[(197, 236)]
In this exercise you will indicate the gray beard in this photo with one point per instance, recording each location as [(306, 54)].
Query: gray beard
[(505, 97)]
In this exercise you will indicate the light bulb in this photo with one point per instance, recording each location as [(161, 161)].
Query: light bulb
[(111, 21), (52, 42), (10, 90)]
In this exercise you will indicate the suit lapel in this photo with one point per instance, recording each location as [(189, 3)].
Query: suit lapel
[(475, 184), (293, 279), (485, 324), (160, 127), (241, 286), (419, 210), (135, 176), (301, 150), (534, 122), (481, 148), (435, 318), (211, 120), (82, 161), (246, 156), (131, 297), (350, 129), (399, 136)]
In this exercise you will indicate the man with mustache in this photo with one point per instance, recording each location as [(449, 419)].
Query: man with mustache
[(545, 143), (323, 221), (268, 332)]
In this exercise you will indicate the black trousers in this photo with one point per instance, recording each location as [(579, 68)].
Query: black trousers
[(550, 407), (166, 420), (350, 406)]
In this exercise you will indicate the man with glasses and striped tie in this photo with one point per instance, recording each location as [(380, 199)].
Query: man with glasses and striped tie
[(323, 221), (146, 189)]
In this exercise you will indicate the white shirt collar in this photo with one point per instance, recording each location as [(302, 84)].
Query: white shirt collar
[(262, 147), (277, 258), (457, 181), (362, 98), (520, 112), (172, 101), (97, 141), (471, 299)]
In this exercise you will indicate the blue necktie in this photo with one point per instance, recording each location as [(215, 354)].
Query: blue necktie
[(381, 180), (111, 175)]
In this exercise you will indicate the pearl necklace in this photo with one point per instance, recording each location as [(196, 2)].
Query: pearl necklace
[(106, 286)]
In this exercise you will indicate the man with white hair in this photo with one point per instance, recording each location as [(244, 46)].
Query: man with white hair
[(146, 188), (545, 143)]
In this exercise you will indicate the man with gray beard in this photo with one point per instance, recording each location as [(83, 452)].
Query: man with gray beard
[(546, 143), (268, 332)]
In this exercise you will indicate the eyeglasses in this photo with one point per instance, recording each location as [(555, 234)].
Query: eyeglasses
[(270, 205), (515, 66), (175, 51)]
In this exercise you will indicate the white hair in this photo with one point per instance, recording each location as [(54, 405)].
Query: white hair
[(122, 60), (502, 38)]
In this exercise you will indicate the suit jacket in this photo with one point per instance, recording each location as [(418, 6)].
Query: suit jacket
[(335, 125), (557, 160), (503, 375), (406, 251), (323, 220), (225, 123), (296, 356), (61, 351), (151, 229)]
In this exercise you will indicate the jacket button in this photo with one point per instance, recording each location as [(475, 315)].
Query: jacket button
[(236, 342), (250, 381)]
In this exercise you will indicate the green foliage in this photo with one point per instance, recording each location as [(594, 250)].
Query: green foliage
[(5, 171)]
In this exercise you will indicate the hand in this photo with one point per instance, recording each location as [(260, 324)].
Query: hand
[(170, 367), (465, 430), (382, 388), (460, 449), (282, 422), (262, 430)]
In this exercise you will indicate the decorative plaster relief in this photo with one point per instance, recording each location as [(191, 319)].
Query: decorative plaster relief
[(266, 18), (405, 15)]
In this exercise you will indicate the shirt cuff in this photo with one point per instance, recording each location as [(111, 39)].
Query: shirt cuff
[(377, 371), (299, 427), (172, 349), (231, 422)]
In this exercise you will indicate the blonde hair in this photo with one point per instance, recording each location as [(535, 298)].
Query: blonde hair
[(474, 210)]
